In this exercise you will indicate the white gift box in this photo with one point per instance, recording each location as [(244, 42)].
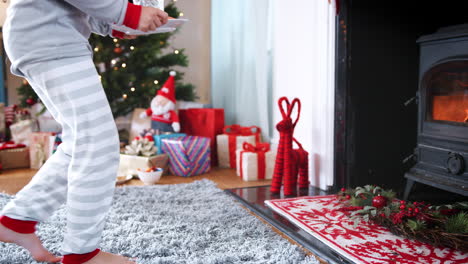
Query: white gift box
[(224, 160), (129, 164), (21, 131), (41, 148), (249, 169), (46, 121)]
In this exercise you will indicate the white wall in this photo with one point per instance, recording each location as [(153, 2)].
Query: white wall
[(194, 37), (303, 46)]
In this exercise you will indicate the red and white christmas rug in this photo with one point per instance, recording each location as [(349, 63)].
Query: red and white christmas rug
[(366, 243)]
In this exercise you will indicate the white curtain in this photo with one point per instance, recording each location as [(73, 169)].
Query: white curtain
[(241, 61), (304, 48)]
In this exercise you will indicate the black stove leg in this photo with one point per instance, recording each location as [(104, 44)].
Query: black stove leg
[(409, 186)]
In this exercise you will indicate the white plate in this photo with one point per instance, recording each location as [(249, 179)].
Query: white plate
[(124, 179), (170, 26)]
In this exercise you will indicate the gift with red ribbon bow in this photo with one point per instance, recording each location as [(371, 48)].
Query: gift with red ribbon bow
[(14, 156), (231, 140), (11, 145), (255, 162)]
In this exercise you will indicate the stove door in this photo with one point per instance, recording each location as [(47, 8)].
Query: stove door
[(444, 108)]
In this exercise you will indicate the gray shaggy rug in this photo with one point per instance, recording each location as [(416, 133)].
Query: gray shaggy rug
[(184, 223)]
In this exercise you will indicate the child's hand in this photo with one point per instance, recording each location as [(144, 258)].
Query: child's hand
[(151, 18)]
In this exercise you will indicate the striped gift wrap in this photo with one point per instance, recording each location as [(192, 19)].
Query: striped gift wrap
[(188, 155)]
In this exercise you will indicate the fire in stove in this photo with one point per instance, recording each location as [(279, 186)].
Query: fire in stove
[(452, 108)]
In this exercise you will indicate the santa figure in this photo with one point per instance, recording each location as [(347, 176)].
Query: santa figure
[(162, 111)]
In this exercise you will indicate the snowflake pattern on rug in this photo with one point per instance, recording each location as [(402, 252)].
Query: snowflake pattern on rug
[(367, 243)]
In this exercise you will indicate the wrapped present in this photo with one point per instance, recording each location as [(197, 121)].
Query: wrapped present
[(232, 139), (188, 156), (137, 124), (22, 130), (255, 162), (41, 145), (14, 156), (45, 120), (158, 139), (141, 154), (203, 122), (129, 164), (11, 145)]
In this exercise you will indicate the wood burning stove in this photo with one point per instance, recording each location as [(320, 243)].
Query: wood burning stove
[(442, 148)]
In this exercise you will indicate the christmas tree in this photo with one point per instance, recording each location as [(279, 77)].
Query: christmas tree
[(132, 71)]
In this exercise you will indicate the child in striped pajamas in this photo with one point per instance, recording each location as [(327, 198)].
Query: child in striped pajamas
[(47, 43)]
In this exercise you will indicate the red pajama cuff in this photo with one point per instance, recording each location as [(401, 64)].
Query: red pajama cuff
[(117, 34), (19, 226), (132, 16), (79, 258)]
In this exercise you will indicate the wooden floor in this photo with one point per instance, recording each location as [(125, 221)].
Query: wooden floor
[(11, 181)]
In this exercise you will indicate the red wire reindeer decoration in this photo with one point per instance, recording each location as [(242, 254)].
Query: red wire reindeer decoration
[(292, 165)]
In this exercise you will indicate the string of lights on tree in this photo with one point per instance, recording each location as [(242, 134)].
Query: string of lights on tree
[(132, 70)]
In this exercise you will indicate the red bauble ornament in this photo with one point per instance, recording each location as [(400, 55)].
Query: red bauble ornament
[(30, 101), (348, 197), (379, 201), (343, 190), (118, 50)]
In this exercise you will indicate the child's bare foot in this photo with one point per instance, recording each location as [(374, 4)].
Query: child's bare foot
[(107, 258), (30, 242)]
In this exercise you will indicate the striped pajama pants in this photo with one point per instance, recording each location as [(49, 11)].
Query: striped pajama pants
[(82, 172)]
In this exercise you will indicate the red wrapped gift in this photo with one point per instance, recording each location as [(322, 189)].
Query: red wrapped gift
[(203, 122), (10, 145)]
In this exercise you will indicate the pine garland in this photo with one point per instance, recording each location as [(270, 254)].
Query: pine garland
[(445, 225)]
